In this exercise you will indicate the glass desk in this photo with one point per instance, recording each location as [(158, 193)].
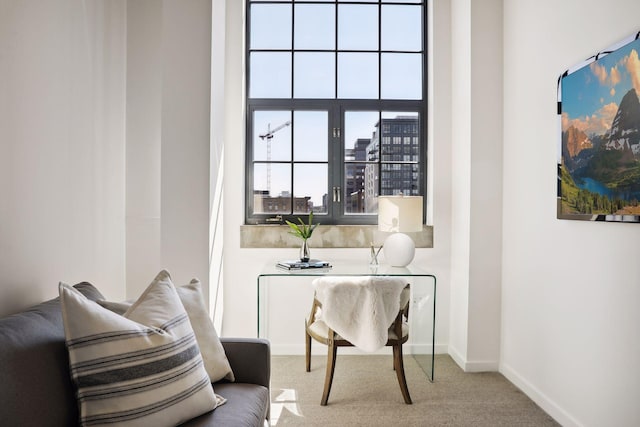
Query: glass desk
[(422, 310)]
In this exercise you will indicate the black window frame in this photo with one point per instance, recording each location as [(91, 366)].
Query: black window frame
[(336, 108)]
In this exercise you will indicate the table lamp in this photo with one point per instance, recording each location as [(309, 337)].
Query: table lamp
[(399, 215)]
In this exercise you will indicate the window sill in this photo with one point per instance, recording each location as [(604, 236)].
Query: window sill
[(325, 236)]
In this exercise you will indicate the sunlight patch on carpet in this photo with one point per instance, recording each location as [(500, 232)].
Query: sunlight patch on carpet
[(286, 400)]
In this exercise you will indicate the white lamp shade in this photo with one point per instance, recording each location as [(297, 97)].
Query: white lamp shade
[(399, 250), (400, 213)]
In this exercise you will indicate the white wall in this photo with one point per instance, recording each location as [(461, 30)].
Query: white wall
[(460, 35), (216, 154), (168, 125), (144, 136), (186, 92), (104, 145), (476, 33), (62, 133), (570, 318)]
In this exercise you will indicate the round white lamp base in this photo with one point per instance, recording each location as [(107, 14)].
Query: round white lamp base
[(399, 250)]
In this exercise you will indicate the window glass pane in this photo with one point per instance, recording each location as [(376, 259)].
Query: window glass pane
[(401, 122), (270, 75), (272, 135), (310, 186), (315, 27), (361, 146), (401, 128), (358, 75), (359, 129), (401, 76), (314, 75), (400, 135), (396, 179), (270, 26), (404, 1), (401, 28), (357, 27), (272, 188), (371, 188), (310, 135), (354, 188)]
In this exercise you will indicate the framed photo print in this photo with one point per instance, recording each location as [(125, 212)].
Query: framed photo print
[(599, 148)]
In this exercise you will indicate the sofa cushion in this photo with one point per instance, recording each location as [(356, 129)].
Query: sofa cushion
[(35, 383), (213, 355), (140, 369), (247, 406)]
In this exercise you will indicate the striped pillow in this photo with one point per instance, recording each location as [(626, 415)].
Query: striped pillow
[(213, 355), (140, 369)]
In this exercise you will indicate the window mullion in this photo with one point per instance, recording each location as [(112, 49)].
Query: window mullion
[(292, 52), (379, 51), (335, 41), (292, 161), (337, 170)]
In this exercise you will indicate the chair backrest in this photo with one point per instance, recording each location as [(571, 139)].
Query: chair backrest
[(403, 314), (361, 309)]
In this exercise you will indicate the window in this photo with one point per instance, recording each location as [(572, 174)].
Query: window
[(336, 107)]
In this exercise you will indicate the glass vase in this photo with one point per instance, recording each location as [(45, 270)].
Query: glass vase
[(305, 255)]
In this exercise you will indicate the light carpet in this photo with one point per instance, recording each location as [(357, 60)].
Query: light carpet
[(365, 392)]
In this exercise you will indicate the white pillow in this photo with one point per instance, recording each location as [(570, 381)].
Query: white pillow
[(213, 355), (143, 368)]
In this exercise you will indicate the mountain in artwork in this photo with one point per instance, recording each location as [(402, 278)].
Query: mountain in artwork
[(574, 140), (625, 128)]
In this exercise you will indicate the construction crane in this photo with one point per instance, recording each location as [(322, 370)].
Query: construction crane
[(269, 136)]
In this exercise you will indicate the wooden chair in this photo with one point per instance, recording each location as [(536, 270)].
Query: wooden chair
[(317, 329)]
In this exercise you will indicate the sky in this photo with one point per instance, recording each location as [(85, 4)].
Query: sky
[(591, 95)]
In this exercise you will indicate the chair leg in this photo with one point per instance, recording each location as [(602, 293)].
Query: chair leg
[(399, 367), (307, 349), (395, 356), (328, 379)]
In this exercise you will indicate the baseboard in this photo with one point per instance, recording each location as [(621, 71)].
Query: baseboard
[(457, 357), (541, 399), (475, 365)]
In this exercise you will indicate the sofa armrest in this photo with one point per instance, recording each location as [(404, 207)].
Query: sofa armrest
[(250, 359)]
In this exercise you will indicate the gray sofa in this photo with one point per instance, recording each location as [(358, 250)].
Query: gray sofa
[(36, 387)]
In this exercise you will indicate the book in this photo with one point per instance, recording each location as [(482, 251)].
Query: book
[(296, 264)]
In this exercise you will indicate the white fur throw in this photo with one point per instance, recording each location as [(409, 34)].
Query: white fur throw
[(361, 308)]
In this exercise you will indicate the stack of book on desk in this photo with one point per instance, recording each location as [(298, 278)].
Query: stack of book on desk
[(299, 265)]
